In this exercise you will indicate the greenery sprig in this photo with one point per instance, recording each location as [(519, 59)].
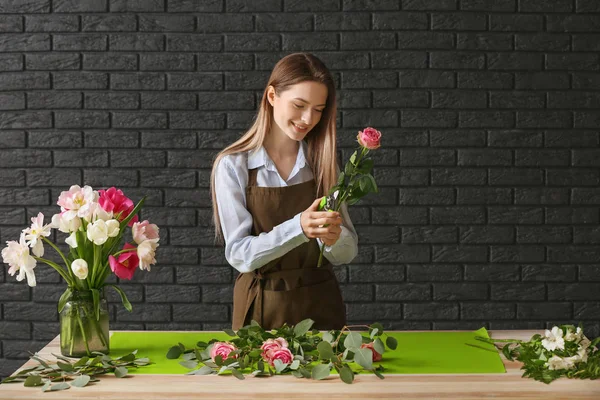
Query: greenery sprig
[(65, 372), (314, 355), (563, 351)]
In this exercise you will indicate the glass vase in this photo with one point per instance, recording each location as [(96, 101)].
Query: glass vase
[(81, 332)]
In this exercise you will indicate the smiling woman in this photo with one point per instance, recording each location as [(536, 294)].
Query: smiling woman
[(266, 188)]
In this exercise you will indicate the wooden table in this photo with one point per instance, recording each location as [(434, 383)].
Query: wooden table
[(507, 386)]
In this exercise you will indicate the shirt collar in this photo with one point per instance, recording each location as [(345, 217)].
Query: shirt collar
[(259, 157)]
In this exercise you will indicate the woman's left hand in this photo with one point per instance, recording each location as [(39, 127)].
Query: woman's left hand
[(332, 235)]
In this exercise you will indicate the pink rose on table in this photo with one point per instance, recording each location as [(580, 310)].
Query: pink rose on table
[(369, 138), (124, 266), (144, 231), (271, 345), (113, 200), (283, 354), (222, 349), (376, 355)]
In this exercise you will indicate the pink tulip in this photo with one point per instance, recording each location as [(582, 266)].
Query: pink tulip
[(144, 231), (124, 266), (113, 200)]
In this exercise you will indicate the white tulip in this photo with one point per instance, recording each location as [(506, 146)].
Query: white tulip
[(146, 251), (80, 268), (97, 232), (64, 224), (113, 227), (17, 256), (72, 240)]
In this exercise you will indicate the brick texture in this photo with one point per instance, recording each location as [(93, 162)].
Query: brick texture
[(488, 209)]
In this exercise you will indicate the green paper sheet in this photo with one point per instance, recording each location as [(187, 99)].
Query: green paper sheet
[(417, 353)]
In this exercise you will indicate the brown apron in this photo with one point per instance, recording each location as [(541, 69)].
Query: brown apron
[(290, 288)]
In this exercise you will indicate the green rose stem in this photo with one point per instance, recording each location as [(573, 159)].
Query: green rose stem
[(344, 195)]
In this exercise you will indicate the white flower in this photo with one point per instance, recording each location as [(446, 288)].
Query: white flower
[(97, 232), (556, 362), (17, 256), (97, 212), (80, 268), (554, 339), (33, 234), (113, 227), (143, 231), (146, 252), (60, 222), (571, 336), (582, 354), (72, 240), (585, 342)]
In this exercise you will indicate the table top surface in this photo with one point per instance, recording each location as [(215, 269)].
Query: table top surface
[(509, 385)]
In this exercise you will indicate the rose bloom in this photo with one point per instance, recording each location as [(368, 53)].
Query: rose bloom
[(376, 355), (271, 345), (283, 354), (222, 349), (369, 138)]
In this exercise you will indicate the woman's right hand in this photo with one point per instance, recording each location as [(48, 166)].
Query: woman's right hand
[(319, 224)]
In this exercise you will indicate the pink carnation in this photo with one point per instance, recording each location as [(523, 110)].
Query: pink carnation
[(113, 200), (222, 349), (369, 138)]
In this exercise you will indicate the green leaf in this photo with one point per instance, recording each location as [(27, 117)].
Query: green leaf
[(279, 366), (365, 167), (189, 364), (205, 370), (305, 373), (33, 380), (374, 187), (297, 374), (81, 361), (379, 328), (379, 375), (364, 357), (353, 156), (320, 371), (328, 337), (133, 213), (237, 374), (65, 367), (120, 372), (81, 381), (341, 178), (378, 346), (64, 298), (295, 364), (325, 350), (219, 360), (60, 386), (346, 374), (230, 332), (353, 341), (303, 326), (349, 169), (124, 299), (373, 333), (174, 353), (391, 342)]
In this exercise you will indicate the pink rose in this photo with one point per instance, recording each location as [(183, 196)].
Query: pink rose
[(124, 266), (222, 349), (376, 355), (271, 345), (369, 138), (143, 231), (113, 200), (283, 354)]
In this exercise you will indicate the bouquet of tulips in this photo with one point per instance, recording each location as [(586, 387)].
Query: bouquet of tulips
[(95, 222)]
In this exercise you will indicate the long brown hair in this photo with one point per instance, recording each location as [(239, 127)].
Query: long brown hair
[(321, 140)]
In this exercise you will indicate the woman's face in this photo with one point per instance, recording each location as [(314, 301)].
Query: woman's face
[(299, 108)]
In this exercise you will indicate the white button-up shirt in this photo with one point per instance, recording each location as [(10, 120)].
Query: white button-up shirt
[(246, 252)]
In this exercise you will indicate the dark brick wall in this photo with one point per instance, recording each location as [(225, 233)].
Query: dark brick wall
[(489, 171)]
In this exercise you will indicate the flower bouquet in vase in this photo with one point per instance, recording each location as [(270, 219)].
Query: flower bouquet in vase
[(355, 181), (95, 222)]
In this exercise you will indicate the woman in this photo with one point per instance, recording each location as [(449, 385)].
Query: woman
[(266, 188)]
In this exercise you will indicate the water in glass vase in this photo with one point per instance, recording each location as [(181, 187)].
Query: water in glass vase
[(81, 332)]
